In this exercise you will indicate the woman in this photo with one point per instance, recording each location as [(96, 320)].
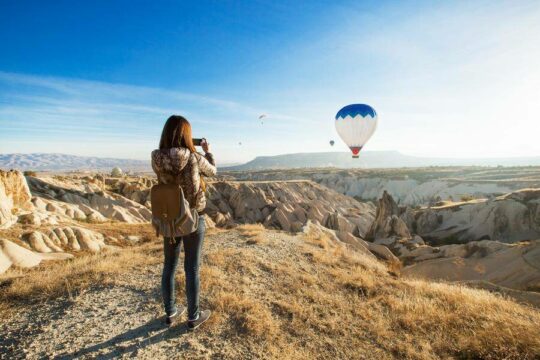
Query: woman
[(177, 161)]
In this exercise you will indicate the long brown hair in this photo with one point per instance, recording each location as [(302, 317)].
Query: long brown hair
[(177, 133)]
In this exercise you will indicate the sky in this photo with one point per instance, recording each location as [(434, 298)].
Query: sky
[(99, 78)]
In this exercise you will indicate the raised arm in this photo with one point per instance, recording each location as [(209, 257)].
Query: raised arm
[(207, 166)]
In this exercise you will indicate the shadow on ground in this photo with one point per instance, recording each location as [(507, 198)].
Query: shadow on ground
[(140, 336)]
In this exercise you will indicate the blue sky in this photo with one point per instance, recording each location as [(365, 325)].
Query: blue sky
[(452, 79)]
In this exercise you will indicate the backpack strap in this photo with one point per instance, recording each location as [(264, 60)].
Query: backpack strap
[(171, 229)]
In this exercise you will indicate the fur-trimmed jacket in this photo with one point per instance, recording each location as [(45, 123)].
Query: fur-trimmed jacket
[(182, 167)]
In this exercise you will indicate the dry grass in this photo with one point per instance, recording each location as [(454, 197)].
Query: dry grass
[(253, 233), (248, 316), (325, 301), (311, 298), (120, 229), (67, 278)]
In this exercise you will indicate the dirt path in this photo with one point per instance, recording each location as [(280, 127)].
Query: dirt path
[(274, 296), (121, 321)]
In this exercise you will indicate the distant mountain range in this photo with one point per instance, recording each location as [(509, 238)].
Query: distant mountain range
[(368, 159), (64, 162), (371, 159)]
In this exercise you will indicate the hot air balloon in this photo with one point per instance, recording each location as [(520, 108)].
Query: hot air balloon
[(355, 124), (331, 142)]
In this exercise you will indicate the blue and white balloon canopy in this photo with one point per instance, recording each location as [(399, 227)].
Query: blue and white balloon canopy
[(355, 124)]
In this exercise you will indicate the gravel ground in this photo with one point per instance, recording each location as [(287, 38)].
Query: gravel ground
[(122, 321), (116, 322)]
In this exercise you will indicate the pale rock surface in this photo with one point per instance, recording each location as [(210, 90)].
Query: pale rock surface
[(514, 266), (338, 222), (15, 187), (68, 238), (389, 235), (510, 218), (133, 238), (387, 223), (286, 205), (367, 186), (314, 229), (370, 249), (382, 251), (14, 197), (137, 189), (30, 219), (85, 201), (12, 254), (357, 243)]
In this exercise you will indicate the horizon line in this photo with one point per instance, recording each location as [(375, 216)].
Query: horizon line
[(285, 154)]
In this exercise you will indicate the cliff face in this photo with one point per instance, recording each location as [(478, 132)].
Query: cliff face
[(411, 192), (453, 241), (287, 205), (14, 196), (515, 266), (60, 199), (387, 222), (409, 187), (60, 213), (473, 240), (509, 218)]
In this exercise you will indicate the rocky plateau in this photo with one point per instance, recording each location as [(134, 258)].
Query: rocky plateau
[(488, 242)]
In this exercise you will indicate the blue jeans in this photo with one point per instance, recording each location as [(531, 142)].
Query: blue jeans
[(192, 258)]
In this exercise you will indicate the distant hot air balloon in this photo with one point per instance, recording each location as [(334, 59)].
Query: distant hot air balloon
[(355, 124), (331, 142)]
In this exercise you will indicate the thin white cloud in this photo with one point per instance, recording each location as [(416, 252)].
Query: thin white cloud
[(49, 110), (102, 90)]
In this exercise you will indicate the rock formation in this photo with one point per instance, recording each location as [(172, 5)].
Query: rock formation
[(85, 201), (12, 254), (137, 190), (447, 240), (514, 266), (509, 218), (287, 206), (407, 186), (50, 211), (387, 222), (14, 197), (68, 238)]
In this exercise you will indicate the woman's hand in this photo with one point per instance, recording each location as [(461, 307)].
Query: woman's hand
[(205, 145)]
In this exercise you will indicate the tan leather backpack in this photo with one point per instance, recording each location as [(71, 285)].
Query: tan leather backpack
[(171, 214)]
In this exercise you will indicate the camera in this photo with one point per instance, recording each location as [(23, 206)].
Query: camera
[(197, 142)]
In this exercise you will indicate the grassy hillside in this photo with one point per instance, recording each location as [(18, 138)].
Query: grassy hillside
[(273, 295)]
